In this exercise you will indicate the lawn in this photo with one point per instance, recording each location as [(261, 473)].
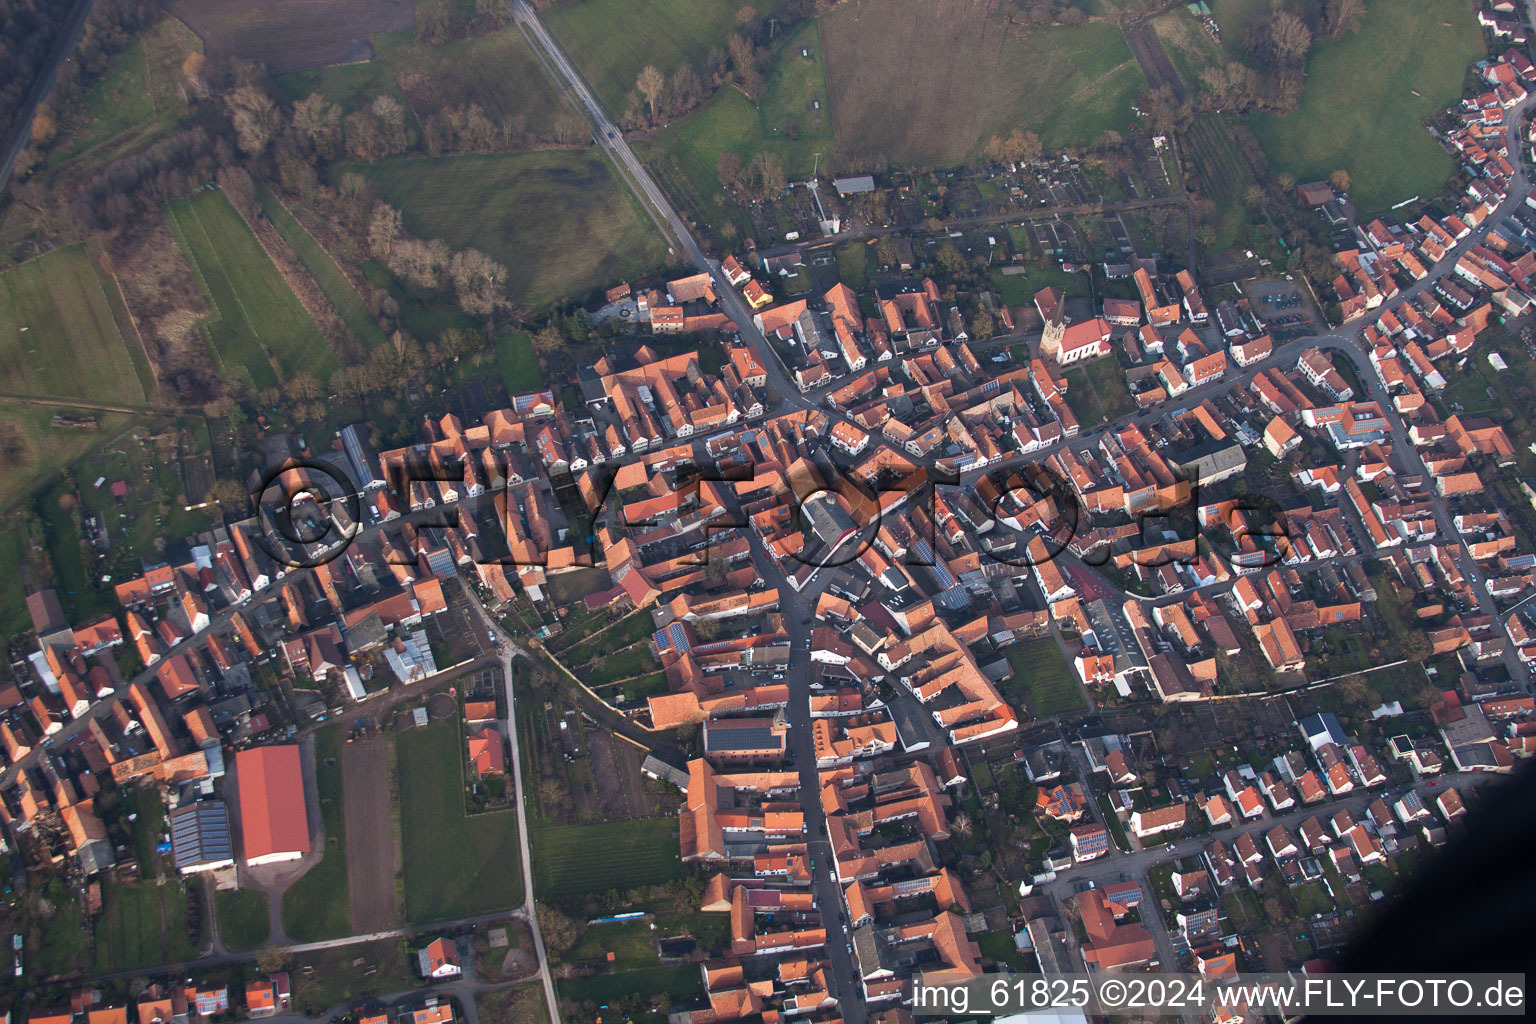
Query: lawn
[(681, 982), (257, 327), (1108, 382), (616, 636), (999, 946), (611, 40), (1041, 672), (981, 75), (455, 864), (347, 973), (853, 265), (518, 364), (243, 919), (560, 221), (1081, 398), (61, 336), (1407, 62), (338, 291), (572, 860), (142, 925), (316, 907), (795, 100)]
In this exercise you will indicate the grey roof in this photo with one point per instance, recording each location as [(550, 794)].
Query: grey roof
[(724, 735), (659, 769), (200, 835)]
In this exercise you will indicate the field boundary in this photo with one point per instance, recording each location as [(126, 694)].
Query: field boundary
[(154, 370)]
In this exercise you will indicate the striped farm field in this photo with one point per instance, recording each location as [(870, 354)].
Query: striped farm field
[(258, 328)]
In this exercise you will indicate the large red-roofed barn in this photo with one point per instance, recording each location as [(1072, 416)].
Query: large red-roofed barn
[(273, 818)]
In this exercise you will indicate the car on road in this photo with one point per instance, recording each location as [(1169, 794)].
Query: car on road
[(1169, 847)]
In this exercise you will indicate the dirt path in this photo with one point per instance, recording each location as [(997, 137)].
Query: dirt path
[(372, 856)]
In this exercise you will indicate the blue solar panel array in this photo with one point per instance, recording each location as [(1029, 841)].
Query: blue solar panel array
[(200, 834)]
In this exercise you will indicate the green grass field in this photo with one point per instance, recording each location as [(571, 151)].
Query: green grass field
[(795, 101), (142, 925), (517, 362), (679, 981), (350, 86), (339, 292), (570, 860), (243, 920), (44, 447), (611, 40), (1358, 110), (685, 153), (497, 72), (455, 864), (62, 335), (116, 102), (256, 321), (561, 222), (981, 76), (316, 907), (136, 99), (1041, 674)]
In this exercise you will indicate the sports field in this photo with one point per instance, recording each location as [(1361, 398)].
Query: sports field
[(979, 76), (570, 860), (258, 328), (1042, 675), (455, 864), (611, 40), (561, 222), (1367, 95), (63, 334)]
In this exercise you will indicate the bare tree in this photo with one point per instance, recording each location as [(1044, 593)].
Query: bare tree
[(650, 83), (1340, 16), (548, 340), (569, 129), (255, 117), (1285, 39), (479, 281), (687, 88), (318, 121)]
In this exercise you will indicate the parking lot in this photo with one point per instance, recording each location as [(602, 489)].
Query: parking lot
[(1281, 304)]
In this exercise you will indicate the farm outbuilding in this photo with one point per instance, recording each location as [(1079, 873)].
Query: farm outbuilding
[(274, 819)]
